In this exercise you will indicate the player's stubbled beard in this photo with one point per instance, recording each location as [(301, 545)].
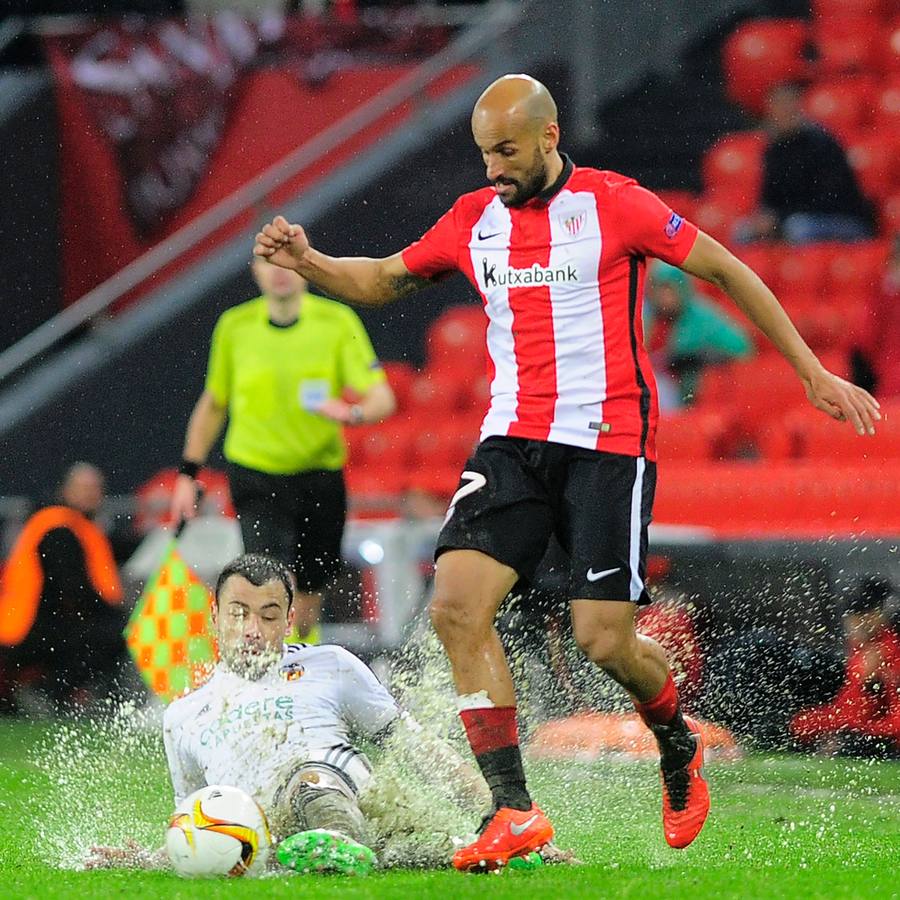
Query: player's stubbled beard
[(250, 659), (532, 184)]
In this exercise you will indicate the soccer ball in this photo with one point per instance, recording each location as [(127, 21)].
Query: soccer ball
[(218, 830)]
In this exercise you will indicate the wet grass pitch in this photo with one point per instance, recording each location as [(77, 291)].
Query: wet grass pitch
[(781, 826)]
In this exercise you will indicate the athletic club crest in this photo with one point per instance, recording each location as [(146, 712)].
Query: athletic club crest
[(574, 224)]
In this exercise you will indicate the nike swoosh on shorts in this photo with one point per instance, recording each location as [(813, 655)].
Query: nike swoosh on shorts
[(596, 576)]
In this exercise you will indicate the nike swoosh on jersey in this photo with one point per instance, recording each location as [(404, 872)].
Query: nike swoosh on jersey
[(484, 237), (520, 829), (596, 576)]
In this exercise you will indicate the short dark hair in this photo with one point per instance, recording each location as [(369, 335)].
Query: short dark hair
[(258, 569)]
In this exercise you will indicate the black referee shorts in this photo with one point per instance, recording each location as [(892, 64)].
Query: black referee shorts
[(515, 493), (298, 519)]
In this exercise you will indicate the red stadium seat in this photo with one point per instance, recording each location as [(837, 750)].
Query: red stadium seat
[(691, 435), (836, 361), (887, 107), (820, 439), (438, 392), (817, 437), (799, 270), (874, 159), (889, 49), (890, 214), (824, 325), (755, 395), (456, 339), (760, 54), (375, 493), (153, 499), (810, 499), (716, 218), (846, 43), (732, 169), (386, 445), (438, 481), (400, 376), (445, 443), (355, 439), (854, 270), (843, 106), (761, 258), (477, 395)]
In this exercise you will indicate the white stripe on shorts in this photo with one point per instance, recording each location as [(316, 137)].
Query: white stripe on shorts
[(634, 547)]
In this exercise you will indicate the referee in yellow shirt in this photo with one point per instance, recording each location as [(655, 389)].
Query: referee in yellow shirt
[(277, 367)]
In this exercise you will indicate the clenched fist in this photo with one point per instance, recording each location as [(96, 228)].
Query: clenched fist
[(281, 243)]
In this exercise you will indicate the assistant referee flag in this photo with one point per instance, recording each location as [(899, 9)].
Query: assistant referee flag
[(169, 633)]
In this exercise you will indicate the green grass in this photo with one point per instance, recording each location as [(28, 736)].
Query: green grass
[(781, 827)]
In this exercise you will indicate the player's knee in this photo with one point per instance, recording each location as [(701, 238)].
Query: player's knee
[(448, 614), (608, 648), (454, 615)]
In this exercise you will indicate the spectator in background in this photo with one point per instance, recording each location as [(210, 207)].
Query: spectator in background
[(60, 599), (278, 365), (876, 361), (684, 333), (864, 717), (809, 190)]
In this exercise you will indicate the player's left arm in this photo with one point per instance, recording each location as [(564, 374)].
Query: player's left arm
[(372, 712), (435, 761), (840, 399)]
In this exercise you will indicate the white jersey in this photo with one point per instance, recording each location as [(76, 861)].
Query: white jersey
[(248, 734)]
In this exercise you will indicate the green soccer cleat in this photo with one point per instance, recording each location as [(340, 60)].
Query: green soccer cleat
[(319, 852), (526, 863)]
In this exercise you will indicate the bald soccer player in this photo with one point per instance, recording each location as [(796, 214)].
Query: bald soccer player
[(558, 254)]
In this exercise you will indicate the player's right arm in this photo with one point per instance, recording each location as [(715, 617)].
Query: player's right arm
[(130, 856), (185, 778), (357, 279), (184, 772)]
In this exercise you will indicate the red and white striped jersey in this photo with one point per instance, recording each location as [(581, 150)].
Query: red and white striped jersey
[(562, 281)]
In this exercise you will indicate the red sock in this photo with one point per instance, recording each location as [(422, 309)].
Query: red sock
[(662, 708), (490, 728)]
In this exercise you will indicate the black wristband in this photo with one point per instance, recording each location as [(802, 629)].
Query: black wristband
[(189, 468)]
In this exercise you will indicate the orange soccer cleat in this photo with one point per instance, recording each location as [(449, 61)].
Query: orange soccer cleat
[(507, 834), (685, 796)]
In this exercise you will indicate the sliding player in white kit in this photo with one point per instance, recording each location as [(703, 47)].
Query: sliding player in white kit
[(278, 722)]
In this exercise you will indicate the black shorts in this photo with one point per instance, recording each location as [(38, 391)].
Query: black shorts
[(298, 519), (515, 493)]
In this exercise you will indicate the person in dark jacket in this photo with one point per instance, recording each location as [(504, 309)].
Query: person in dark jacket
[(60, 600), (809, 191)]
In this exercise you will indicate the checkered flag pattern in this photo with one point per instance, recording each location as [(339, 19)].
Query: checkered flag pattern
[(169, 633)]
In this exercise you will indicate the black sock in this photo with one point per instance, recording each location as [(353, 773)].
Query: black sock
[(502, 770), (676, 742)]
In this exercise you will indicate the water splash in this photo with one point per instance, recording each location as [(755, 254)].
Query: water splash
[(94, 784)]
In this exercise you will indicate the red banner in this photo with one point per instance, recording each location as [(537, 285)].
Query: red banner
[(159, 120)]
